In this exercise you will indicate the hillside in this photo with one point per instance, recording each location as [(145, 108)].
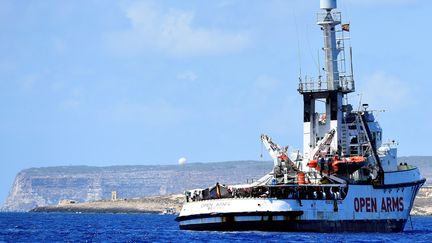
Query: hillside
[(47, 186), (424, 163)]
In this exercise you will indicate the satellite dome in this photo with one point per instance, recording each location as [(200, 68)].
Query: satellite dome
[(182, 161)]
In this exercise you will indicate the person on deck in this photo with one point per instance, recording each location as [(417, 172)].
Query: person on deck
[(321, 164), (329, 165)]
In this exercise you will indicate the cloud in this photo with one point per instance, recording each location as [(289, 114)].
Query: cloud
[(224, 3), (8, 66), (266, 83), (187, 75), (384, 91), (74, 97), (155, 114), (70, 104), (261, 92), (59, 45), (172, 32), (380, 2), (28, 82)]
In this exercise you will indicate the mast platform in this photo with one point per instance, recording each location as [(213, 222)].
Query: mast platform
[(346, 85)]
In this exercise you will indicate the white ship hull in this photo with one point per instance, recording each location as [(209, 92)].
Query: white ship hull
[(365, 208)]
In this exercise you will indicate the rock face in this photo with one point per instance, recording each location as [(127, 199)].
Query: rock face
[(423, 202), (37, 187)]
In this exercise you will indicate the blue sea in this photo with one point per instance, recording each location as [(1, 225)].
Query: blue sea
[(57, 227)]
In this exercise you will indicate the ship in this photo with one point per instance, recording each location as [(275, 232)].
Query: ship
[(346, 179)]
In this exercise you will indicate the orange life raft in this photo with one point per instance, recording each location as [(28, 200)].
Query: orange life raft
[(341, 165)]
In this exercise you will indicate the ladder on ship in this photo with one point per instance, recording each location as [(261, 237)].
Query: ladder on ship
[(344, 139), (372, 149)]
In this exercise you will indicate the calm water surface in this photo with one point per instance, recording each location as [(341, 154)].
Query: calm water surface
[(43, 227)]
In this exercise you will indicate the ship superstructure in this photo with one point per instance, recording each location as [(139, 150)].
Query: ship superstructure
[(346, 179)]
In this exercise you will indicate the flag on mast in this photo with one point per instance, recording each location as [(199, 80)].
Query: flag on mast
[(346, 27)]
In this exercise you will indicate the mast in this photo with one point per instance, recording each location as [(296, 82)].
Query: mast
[(328, 21), (323, 101)]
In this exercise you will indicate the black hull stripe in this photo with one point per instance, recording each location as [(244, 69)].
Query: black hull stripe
[(303, 226), (419, 182), (210, 215), (397, 171)]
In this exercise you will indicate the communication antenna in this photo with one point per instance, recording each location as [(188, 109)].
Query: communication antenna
[(351, 63), (319, 65), (262, 148), (298, 47), (360, 101)]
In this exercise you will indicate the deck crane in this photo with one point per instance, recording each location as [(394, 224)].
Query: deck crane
[(281, 163), (323, 146)]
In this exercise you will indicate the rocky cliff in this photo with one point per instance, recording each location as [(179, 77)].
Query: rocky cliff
[(47, 186)]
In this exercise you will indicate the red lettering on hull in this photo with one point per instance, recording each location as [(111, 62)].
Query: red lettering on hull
[(383, 206), (369, 204)]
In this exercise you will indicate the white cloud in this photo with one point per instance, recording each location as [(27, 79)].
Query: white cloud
[(379, 2), (57, 86), (261, 92), (8, 66), (70, 104), (28, 82), (74, 98), (266, 83), (187, 75), (383, 91), (173, 32), (224, 3), (59, 45), (158, 113)]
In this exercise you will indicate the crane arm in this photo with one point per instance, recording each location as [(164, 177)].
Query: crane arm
[(324, 144), (276, 152)]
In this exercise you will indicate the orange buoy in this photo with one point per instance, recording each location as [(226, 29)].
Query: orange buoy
[(357, 159), (301, 178), (313, 163)]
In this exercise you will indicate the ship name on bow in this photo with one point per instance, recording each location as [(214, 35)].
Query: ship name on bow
[(387, 204), (215, 205)]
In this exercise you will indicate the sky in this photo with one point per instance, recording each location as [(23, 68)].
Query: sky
[(92, 82)]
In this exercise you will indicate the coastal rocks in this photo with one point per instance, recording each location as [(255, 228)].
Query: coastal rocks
[(155, 204), (423, 202)]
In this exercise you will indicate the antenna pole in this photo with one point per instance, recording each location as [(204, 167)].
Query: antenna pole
[(319, 66), (351, 63), (328, 20)]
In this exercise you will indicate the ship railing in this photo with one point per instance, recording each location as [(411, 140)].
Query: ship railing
[(292, 191), (346, 85), (332, 17), (312, 86)]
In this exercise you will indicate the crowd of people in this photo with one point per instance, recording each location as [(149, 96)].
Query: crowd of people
[(304, 192)]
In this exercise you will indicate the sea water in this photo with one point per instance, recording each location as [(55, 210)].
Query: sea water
[(61, 227)]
